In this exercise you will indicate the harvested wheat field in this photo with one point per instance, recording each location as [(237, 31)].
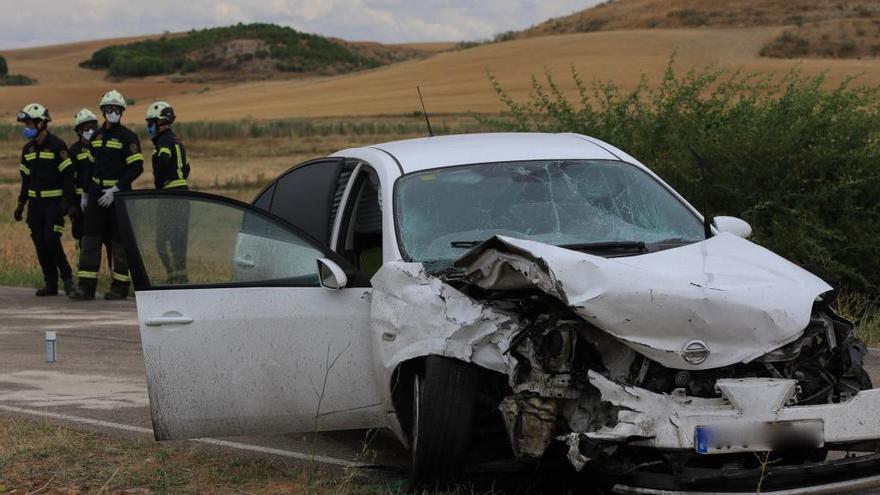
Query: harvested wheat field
[(451, 81)]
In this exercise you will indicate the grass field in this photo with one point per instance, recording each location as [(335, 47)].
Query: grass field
[(40, 457)]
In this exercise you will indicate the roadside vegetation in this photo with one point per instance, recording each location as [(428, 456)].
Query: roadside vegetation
[(40, 457), (242, 47), (7, 79), (798, 162)]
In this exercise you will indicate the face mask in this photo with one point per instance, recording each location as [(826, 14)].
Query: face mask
[(30, 132), (87, 134), (112, 117), (151, 130)]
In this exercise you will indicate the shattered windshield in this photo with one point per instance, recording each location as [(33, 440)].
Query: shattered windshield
[(443, 212)]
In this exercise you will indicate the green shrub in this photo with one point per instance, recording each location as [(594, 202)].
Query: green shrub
[(799, 162), (16, 80), (291, 49), (4, 69)]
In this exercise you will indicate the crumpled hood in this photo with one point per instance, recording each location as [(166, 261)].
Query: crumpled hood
[(738, 298)]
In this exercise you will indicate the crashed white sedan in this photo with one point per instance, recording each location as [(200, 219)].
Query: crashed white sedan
[(536, 295)]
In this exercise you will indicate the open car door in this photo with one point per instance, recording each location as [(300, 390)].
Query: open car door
[(238, 335)]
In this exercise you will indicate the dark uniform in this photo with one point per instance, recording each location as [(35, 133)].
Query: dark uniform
[(118, 162), (83, 161), (170, 171), (47, 187), (82, 158)]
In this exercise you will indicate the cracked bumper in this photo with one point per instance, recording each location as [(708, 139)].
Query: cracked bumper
[(669, 421)]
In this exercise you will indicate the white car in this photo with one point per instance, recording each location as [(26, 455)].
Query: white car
[(545, 293)]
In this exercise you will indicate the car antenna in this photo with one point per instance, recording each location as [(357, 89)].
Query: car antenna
[(425, 112), (704, 185)]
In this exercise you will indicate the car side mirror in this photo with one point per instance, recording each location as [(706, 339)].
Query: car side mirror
[(733, 225), (332, 275)]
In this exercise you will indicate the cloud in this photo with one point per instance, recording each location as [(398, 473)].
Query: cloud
[(389, 21)]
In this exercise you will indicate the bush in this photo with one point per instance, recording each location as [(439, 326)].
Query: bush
[(797, 161), (4, 69), (16, 80), (196, 50)]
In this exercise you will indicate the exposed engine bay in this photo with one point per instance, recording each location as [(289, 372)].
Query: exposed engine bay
[(632, 372)]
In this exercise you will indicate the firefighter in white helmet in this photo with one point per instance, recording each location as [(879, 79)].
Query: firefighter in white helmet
[(118, 162), (84, 124), (170, 172)]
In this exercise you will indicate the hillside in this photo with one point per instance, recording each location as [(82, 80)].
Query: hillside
[(242, 51), (815, 28)]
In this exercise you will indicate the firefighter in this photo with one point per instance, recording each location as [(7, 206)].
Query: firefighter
[(170, 171), (47, 189), (118, 162), (84, 124)]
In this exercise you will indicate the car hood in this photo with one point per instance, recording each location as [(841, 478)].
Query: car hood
[(736, 298)]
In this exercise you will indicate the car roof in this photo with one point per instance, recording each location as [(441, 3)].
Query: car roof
[(447, 151)]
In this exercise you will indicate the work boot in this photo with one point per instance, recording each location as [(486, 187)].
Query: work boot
[(69, 286), (85, 290), (112, 295), (118, 291), (81, 294), (47, 291)]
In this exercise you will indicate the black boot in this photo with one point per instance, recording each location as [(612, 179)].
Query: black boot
[(47, 291), (69, 286), (118, 291), (85, 290)]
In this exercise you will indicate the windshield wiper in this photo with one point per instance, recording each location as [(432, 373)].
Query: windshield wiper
[(464, 244), (607, 246)]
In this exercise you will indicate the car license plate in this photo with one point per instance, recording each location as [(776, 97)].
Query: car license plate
[(754, 436)]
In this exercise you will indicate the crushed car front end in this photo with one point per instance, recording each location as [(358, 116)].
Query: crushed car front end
[(706, 365)]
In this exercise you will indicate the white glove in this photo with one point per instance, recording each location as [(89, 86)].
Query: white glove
[(106, 199), (83, 201)]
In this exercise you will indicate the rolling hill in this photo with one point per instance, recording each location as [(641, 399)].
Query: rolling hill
[(623, 49)]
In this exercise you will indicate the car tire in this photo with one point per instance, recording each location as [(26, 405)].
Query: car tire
[(444, 396)]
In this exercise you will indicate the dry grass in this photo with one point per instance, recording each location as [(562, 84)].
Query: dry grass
[(39, 457), (452, 81), (650, 14)]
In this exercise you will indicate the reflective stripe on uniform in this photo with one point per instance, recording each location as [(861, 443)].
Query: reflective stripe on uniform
[(79, 190), (30, 156), (133, 158), (165, 150), (104, 182), (85, 274), (85, 155), (24, 169), (63, 165), (97, 144), (46, 193), (121, 277), (179, 161), (117, 145), (175, 183), (58, 228), (47, 154)]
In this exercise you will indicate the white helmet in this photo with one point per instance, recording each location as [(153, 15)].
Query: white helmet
[(160, 110), (113, 97), (83, 116)]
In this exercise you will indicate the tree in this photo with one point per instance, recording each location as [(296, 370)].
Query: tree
[(4, 69)]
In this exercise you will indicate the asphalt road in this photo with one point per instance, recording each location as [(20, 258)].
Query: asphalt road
[(99, 382)]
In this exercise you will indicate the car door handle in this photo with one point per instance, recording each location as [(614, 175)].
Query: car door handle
[(244, 262), (168, 320)]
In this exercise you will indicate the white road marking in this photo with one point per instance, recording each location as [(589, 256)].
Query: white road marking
[(208, 441)]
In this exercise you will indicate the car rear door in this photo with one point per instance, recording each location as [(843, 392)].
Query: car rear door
[(238, 335)]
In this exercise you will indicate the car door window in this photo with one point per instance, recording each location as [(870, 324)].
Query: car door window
[(194, 239), (361, 228), (305, 195)]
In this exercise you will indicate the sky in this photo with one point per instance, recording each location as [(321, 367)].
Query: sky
[(26, 23)]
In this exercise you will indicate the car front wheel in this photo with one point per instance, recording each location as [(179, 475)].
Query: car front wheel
[(444, 397)]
